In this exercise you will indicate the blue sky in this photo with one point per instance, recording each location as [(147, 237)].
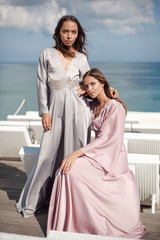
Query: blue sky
[(117, 30)]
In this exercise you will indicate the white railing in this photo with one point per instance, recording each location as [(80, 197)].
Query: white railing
[(23, 103)]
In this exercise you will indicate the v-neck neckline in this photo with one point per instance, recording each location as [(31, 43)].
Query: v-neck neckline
[(94, 112), (65, 71)]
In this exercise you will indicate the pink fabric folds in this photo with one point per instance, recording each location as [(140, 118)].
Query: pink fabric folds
[(99, 195)]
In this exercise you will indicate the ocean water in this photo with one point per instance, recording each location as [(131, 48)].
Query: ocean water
[(138, 85)]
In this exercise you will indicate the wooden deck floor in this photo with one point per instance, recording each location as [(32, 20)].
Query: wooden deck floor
[(12, 179)]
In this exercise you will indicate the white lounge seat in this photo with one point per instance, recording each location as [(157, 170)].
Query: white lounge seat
[(29, 116), (29, 155), (14, 123), (38, 130), (143, 143), (143, 117), (12, 138), (128, 127), (142, 128), (146, 128), (34, 127), (147, 175), (132, 117)]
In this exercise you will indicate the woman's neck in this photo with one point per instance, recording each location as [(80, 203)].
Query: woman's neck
[(103, 99), (72, 54)]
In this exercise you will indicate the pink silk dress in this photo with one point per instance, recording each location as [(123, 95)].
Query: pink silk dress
[(99, 195)]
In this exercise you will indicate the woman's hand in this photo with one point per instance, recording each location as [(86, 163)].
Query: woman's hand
[(114, 93), (46, 121), (80, 91), (68, 162)]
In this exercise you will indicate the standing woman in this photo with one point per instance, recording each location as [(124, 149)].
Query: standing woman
[(65, 115)]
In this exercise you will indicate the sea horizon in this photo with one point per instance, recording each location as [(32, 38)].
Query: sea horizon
[(138, 84), (90, 61)]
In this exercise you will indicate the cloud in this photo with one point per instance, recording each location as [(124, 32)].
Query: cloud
[(118, 16), (32, 17), (124, 16), (24, 2)]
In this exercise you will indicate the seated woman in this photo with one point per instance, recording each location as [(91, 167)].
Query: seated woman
[(94, 191)]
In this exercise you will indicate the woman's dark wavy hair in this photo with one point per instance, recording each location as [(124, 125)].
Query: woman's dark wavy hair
[(79, 44), (96, 73)]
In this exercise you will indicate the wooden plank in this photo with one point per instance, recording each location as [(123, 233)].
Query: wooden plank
[(30, 231), (12, 179), (19, 220), (8, 206), (4, 185), (5, 193), (13, 173)]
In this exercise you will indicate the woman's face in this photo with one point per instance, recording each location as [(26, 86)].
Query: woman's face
[(93, 87), (68, 33)]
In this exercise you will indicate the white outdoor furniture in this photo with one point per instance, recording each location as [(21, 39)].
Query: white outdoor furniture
[(144, 143), (14, 123), (29, 116), (132, 117), (147, 175), (35, 128), (128, 127), (143, 117), (142, 128), (12, 138), (29, 155)]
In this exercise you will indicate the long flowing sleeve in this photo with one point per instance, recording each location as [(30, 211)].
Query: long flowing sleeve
[(42, 89), (106, 147)]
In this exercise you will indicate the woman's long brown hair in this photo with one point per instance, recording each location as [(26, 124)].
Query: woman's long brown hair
[(79, 44), (96, 73)]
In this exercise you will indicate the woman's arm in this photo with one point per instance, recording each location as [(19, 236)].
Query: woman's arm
[(69, 161), (107, 145), (42, 92), (42, 89)]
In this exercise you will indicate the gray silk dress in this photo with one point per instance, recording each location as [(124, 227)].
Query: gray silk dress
[(70, 127)]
